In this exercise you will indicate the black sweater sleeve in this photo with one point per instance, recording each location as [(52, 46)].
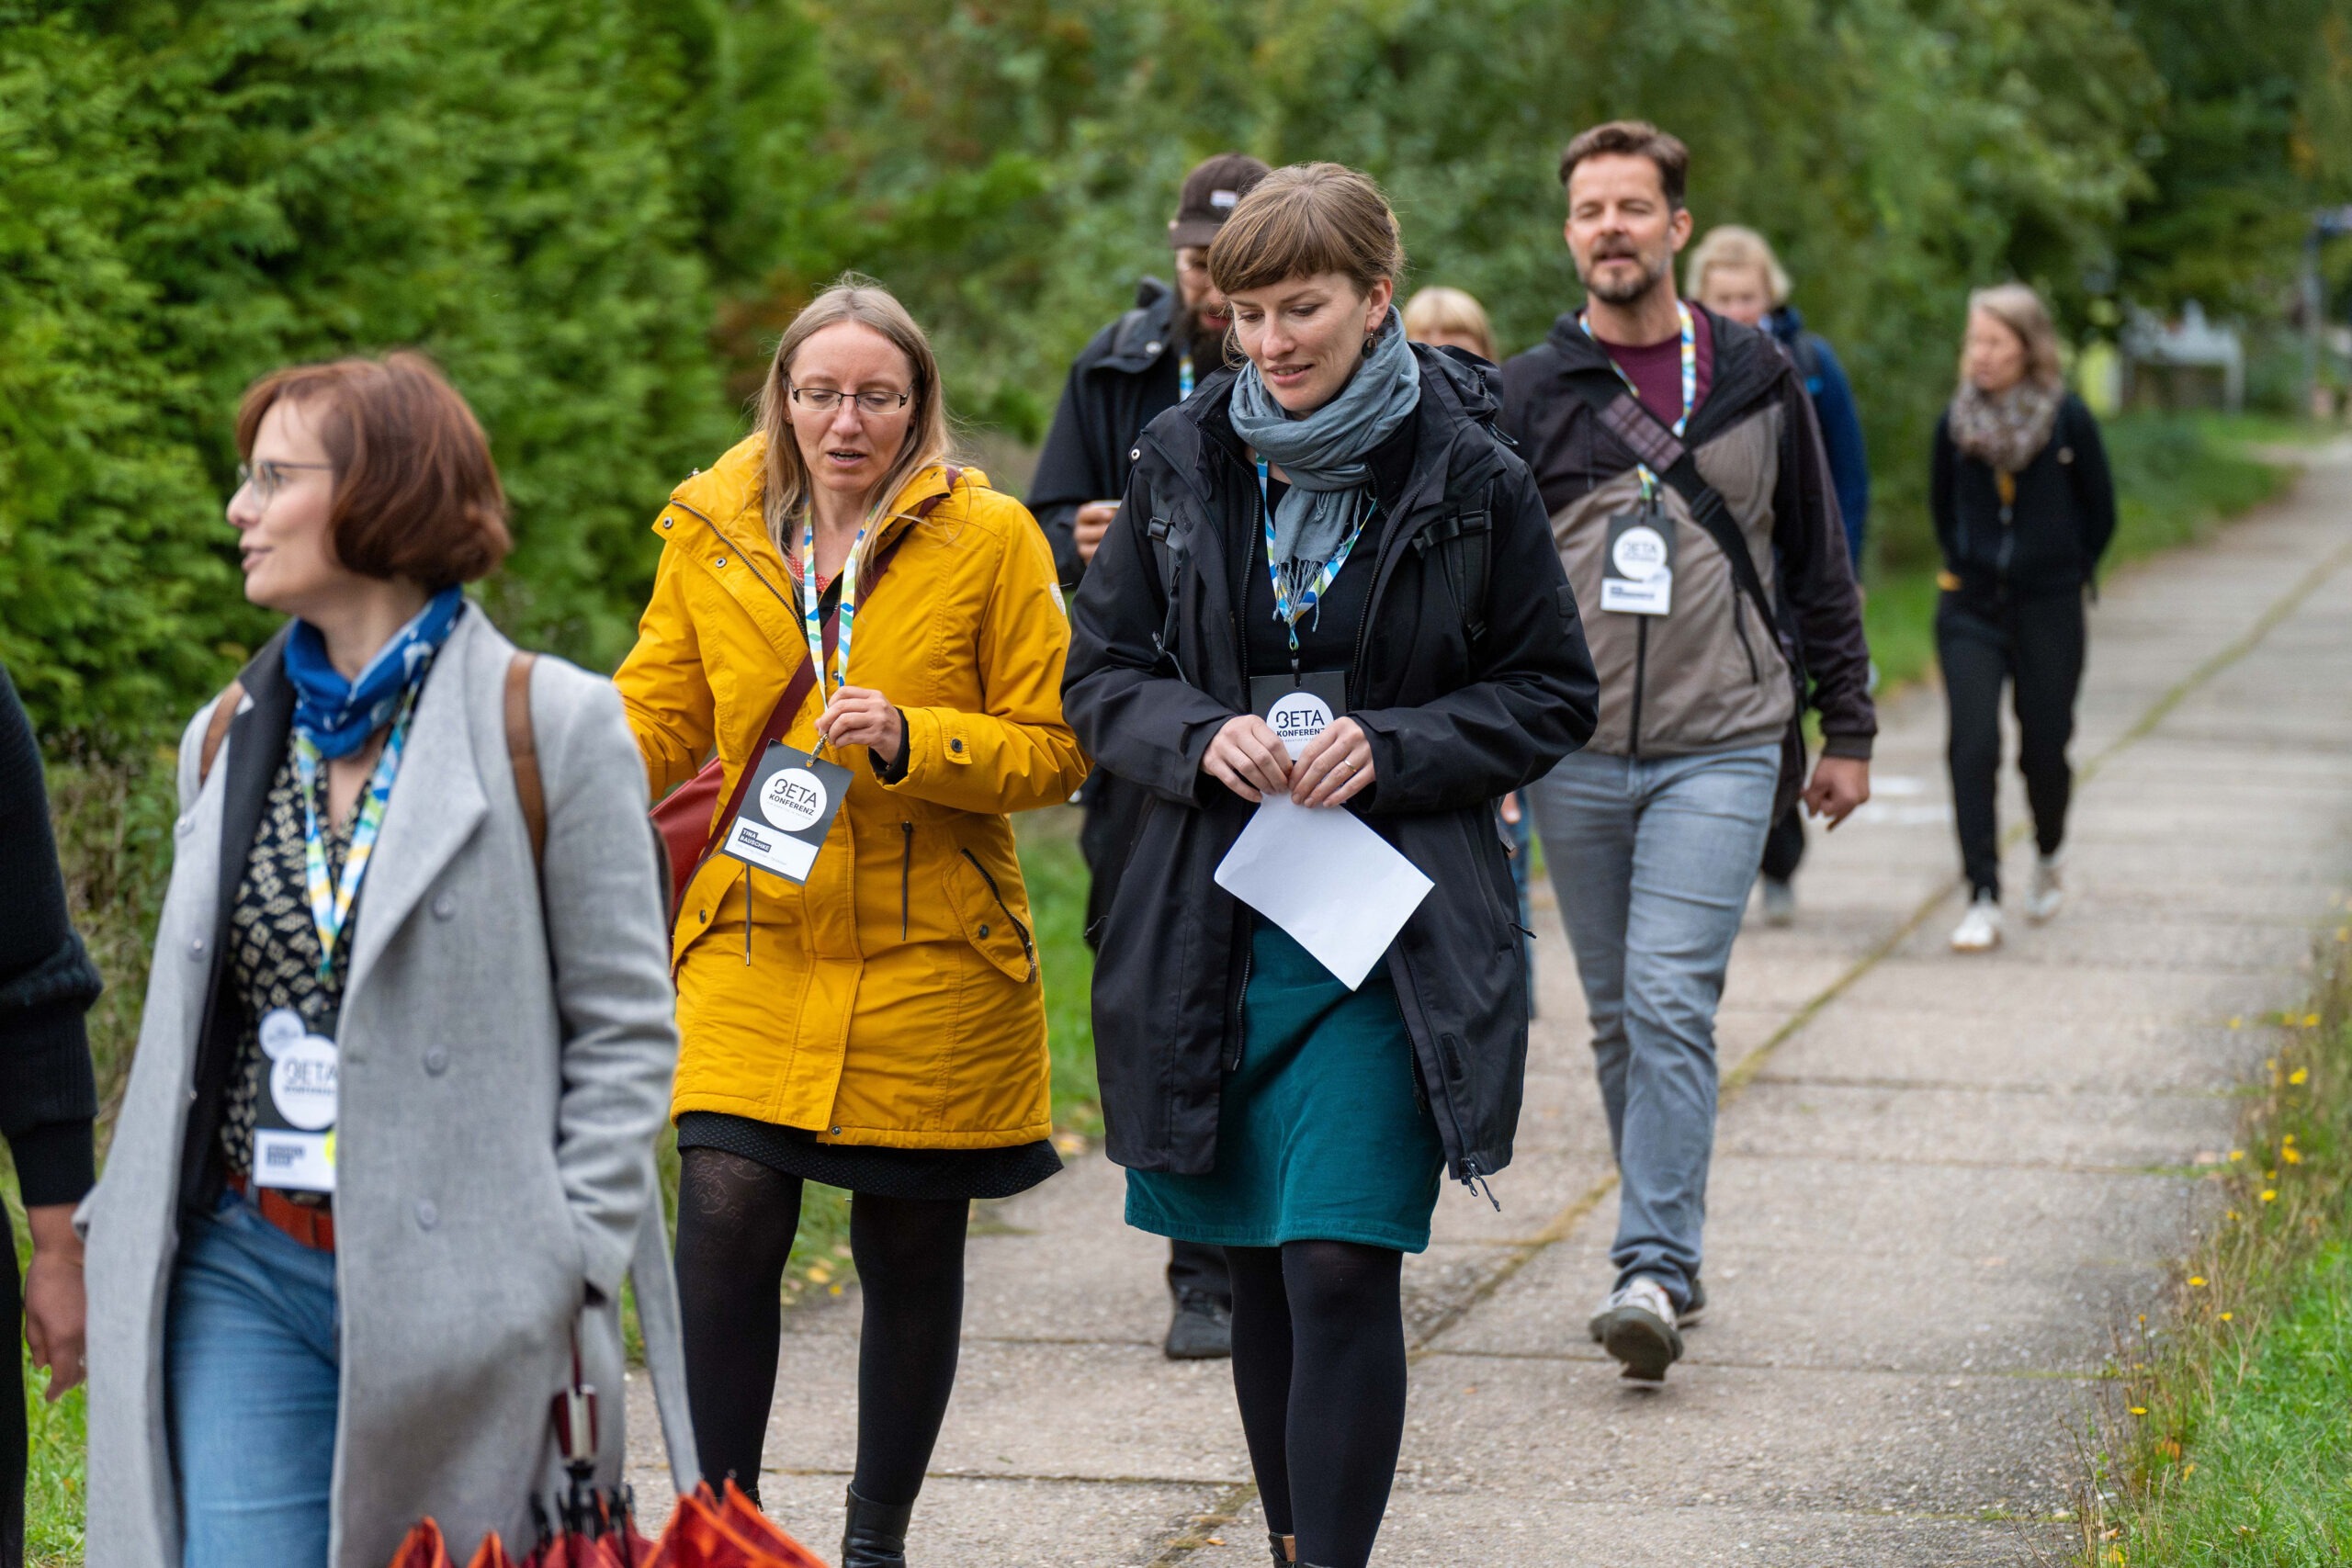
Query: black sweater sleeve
[(2094, 483), (47, 1092), (1942, 479)]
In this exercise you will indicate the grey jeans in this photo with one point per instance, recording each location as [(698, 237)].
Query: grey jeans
[(1652, 860)]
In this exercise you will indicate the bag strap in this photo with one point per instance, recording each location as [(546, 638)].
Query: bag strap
[(215, 729), (522, 750), (1625, 416)]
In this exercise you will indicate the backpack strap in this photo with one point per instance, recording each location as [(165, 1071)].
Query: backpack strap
[(1624, 416), (1463, 539), (522, 750), (215, 729)]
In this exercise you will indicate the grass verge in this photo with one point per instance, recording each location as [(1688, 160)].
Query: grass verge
[(2224, 1441)]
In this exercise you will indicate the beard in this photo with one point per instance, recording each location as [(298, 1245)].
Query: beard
[(1619, 293), (1205, 344)]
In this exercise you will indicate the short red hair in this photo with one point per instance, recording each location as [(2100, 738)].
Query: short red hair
[(415, 492)]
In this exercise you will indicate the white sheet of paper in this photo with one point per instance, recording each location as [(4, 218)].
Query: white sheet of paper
[(1333, 884)]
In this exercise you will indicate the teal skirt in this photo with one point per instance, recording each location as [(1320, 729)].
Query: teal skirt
[(1320, 1136)]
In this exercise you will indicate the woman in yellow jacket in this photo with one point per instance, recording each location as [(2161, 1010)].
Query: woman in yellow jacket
[(872, 1020)]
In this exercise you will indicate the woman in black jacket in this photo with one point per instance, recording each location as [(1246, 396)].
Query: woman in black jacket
[(47, 1100), (1337, 515), (2024, 507)]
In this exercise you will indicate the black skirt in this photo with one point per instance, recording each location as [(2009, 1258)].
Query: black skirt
[(868, 1167)]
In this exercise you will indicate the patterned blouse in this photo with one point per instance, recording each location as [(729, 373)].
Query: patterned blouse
[(274, 946)]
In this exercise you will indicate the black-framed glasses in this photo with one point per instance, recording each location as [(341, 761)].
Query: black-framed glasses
[(267, 478), (873, 401)]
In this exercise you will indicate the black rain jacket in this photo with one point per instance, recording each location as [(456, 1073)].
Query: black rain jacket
[(2044, 544), (1120, 381), (1460, 702)]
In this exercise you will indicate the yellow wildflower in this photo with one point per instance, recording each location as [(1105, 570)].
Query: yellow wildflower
[(2227, 1315), (2292, 1154), (2269, 1193), (2299, 1074), (2196, 1282)]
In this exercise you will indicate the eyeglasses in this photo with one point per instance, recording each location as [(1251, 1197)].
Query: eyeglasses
[(873, 401), (265, 480)]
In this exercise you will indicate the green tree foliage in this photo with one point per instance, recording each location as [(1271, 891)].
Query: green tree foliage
[(598, 213), (197, 192)]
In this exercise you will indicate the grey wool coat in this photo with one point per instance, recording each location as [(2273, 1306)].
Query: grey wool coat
[(505, 1067)]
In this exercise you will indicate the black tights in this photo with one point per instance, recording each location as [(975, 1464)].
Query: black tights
[(736, 1220), (1318, 1371)]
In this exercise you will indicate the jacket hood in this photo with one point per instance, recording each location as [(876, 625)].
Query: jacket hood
[(1142, 335)]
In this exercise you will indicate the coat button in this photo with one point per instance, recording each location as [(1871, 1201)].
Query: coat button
[(955, 745), (195, 949), (722, 561), (837, 1131), (706, 917), (445, 905), (984, 933), (183, 827), (427, 1216), (437, 1060)]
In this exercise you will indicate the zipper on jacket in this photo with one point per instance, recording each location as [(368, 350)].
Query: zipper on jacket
[(906, 872), (1641, 671), (1028, 948)]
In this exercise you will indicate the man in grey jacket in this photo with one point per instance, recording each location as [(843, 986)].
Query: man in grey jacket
[(1678, 453)]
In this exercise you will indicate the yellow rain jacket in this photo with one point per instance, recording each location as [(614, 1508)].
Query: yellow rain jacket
[(895, 999)]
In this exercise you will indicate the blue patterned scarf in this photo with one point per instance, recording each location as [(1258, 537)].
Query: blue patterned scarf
[(338, 715)]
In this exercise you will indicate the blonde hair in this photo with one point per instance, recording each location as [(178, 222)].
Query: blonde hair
[(2016, 307), (1449, 310), (787, 492), (1732, 245), (1305, 219)]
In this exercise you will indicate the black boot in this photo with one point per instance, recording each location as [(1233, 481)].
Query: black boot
[(876, 1536)]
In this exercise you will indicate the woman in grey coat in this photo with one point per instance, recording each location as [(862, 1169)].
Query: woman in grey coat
[(386, 1154)]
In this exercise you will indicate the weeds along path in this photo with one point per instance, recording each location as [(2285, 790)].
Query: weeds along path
[(1939, 1182)]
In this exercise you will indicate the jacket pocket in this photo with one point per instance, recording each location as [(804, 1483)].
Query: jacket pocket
[(1739, 625), (990, 925)]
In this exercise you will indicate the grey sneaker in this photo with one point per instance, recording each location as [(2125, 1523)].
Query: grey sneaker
[(1687, 1318), (1637, 1328), (1979, 929), (2047, 893), (1779, 902)]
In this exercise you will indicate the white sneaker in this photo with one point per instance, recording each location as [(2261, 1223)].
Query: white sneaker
[(2049, 890), (1979, 929), (1636, 1326), (1779, 903)]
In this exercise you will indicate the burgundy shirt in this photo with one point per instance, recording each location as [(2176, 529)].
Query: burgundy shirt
[(1655, 370)]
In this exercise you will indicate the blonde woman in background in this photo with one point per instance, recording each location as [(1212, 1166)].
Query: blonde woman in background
[(1734, 273), (1448, 318), (2024, 506)]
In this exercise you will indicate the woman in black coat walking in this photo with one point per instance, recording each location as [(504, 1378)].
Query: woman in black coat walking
[(1340, 517), (48, 1099), (2024, 507)]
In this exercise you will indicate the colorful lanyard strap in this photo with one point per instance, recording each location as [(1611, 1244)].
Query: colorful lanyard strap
[(1690, 385), (330, 901), (1183, 377), (1290, 614), (811, 620)]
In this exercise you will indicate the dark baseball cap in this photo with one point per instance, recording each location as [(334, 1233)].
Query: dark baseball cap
[(1211, 193)]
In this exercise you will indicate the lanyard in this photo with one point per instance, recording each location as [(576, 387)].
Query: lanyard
[(1184, 378), (811, 621), (330, 902), (1285, 611), (1690, 385)]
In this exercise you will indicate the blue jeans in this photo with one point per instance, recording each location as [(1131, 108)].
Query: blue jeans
[(251, 1352), (1651, 859)]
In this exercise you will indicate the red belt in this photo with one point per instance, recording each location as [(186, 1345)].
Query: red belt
[(314, 1228)]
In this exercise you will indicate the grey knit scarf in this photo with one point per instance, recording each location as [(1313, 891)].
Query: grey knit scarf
[(2006, 429), (1323, 454)]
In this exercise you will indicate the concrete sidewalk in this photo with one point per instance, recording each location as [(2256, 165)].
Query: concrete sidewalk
[(1940, 1182)]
